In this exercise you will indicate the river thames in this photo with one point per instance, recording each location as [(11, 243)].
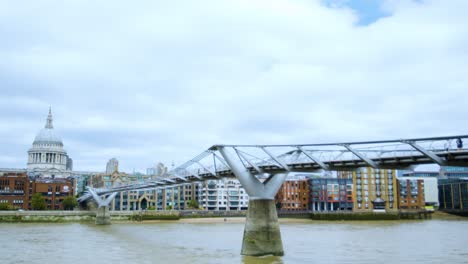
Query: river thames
[(429, 241)]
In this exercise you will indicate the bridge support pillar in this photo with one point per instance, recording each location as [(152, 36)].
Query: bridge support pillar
[(103, 216), (102, 211), (262, 234)]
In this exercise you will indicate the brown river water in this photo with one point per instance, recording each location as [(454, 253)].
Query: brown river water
[(416, 241)]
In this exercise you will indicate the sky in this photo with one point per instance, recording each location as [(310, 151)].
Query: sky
[(161, 81)]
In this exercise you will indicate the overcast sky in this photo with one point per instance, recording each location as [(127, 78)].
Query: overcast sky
[(149, 81)]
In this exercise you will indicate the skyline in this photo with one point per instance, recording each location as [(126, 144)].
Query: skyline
[(161, 82)]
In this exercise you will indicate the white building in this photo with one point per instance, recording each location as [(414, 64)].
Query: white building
[(47, 157), (222, 195)]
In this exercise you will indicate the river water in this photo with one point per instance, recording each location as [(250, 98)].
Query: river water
[(426, 241)]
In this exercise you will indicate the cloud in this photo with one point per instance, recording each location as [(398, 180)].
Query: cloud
[(160, 81)]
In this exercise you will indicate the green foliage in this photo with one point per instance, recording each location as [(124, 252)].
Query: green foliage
[(5, 207), (69, 203), (193, 204), (154, 217), (169, 207), (151, 208), (38, 202)]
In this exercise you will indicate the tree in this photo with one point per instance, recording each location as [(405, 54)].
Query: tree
[(5, 206), (192, 204), (38, 202), (69, 203)]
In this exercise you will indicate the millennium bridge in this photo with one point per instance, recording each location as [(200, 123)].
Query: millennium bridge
[(261, 169)]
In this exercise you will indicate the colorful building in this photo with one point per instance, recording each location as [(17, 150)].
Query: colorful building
[(330, 194)]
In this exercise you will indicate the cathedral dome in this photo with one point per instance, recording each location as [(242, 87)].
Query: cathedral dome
[(47, 135), (47, 156)]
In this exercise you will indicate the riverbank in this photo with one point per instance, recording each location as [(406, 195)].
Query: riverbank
[(206, 216)]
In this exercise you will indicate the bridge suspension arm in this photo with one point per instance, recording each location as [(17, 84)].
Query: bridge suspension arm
[(282, 164), (426, 153), (320, 163), (241, 155), (370, 162)]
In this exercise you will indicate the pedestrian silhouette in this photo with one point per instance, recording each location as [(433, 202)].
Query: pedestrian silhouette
[(459, 143)]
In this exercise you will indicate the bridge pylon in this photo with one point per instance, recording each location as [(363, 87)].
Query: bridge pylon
[(262, 234), (102, 211)]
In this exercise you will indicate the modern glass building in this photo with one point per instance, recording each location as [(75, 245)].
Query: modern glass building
[(453, 172), (453, 194)]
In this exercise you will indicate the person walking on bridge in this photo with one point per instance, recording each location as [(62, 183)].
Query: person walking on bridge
[(459, 143)]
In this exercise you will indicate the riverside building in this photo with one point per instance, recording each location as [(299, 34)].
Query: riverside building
[(411, 193), (15, 189), (222, 195), (375, 190), (331, 194), (453, 195), (176, 197), (293, 195)]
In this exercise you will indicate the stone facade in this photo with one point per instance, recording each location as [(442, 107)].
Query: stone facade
[(47, 157)]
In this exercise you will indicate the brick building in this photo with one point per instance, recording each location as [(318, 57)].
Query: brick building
[(15, 189), (293, 195), (411, 194), (54, 191)]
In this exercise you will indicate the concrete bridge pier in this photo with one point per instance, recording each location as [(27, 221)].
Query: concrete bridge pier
[(103, 216), (102, 211), (262, 234)]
